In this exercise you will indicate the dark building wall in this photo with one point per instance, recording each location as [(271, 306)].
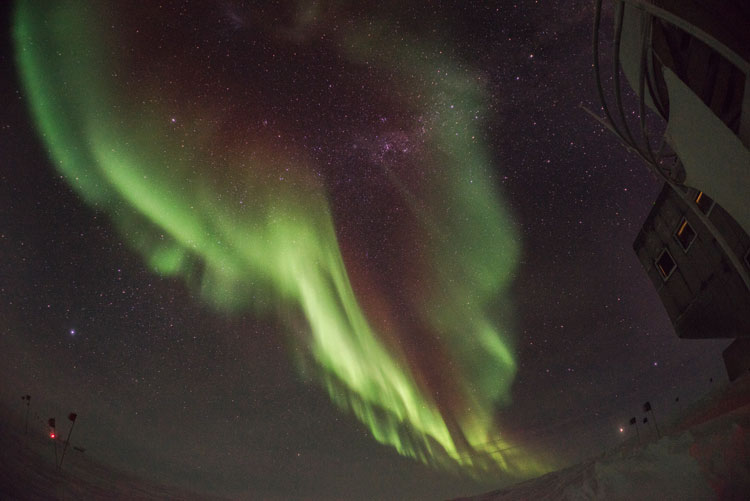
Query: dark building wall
[(704, 296), (737, 358), (716, 81)]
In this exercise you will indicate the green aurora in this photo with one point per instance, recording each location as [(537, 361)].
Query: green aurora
[(226, 226)]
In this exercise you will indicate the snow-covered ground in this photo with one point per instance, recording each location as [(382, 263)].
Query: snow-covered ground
[(27, 470), (705, 454)]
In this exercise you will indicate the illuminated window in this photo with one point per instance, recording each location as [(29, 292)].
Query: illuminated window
[(704, 202), (685, 234), (666, 264)]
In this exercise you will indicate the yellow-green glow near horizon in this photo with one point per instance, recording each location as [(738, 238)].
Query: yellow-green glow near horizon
[(237, 233)]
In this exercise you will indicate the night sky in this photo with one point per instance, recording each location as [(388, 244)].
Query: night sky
[(316, 249)]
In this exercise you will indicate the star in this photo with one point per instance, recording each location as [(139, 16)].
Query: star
[(355, 234)]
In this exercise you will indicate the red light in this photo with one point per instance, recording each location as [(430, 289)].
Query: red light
[(52, 435)]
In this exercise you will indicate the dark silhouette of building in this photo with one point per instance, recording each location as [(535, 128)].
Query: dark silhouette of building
[(687, 61), (703, 295)]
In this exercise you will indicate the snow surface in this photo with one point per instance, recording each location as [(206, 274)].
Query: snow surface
[(705, 455), (27, 470)]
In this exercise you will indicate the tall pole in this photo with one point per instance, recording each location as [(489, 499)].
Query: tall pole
[(658, 436), (27, 398), (637, 433), (28, 404), (67, 441), (53, 436)]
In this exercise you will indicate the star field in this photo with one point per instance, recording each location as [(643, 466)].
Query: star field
[(234, 182)]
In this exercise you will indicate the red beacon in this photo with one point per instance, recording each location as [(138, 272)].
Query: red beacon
[(51, 424)]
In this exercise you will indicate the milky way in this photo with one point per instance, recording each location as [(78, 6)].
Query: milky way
[(367, 221)]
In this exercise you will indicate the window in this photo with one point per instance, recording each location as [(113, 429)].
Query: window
[(704, 202), (665, 264), (685, 234)]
